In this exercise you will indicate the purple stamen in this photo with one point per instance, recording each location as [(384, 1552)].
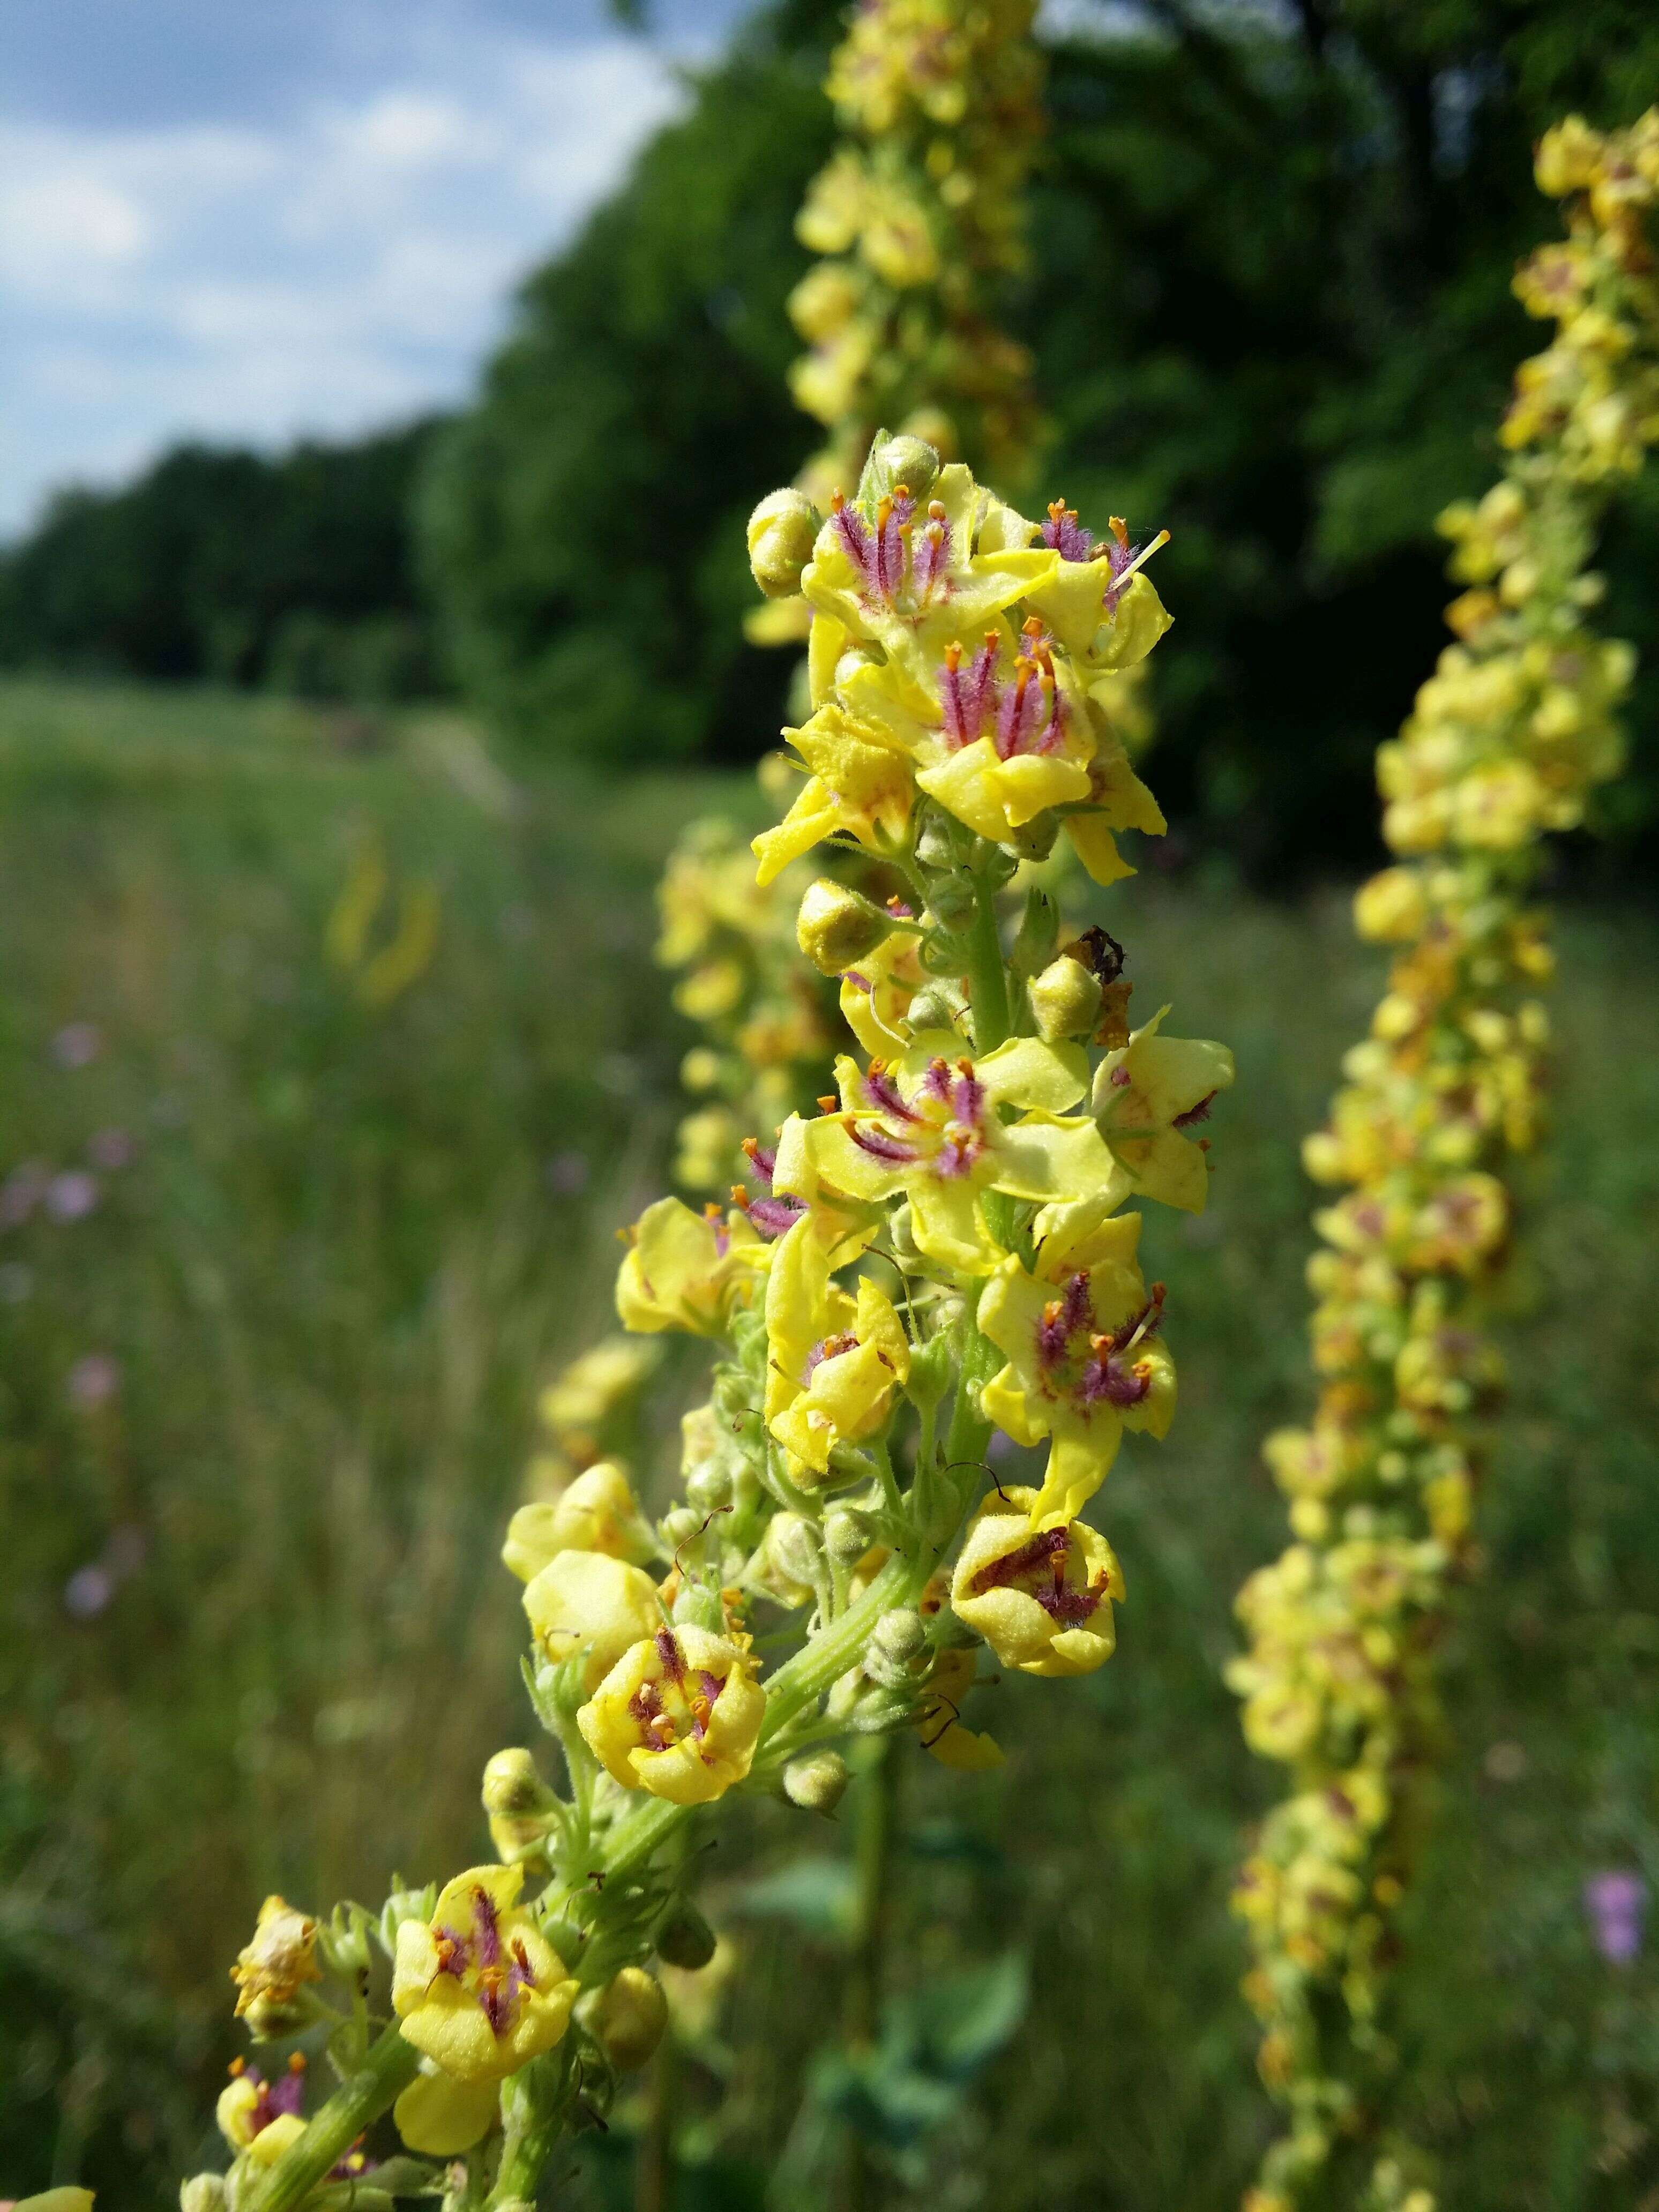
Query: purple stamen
[(881, 1146), (1109, 1381), (930, 554), (1070, 1608), (955, 1157), (1193, 1115), (1063, 534), (286, 2095), (1119, 554), (488, 1927), (882, 1090), (673, 1666), (967, 1096), (856, 541), (774, 1217)]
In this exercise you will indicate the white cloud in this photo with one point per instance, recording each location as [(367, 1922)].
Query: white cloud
[(259, 283)]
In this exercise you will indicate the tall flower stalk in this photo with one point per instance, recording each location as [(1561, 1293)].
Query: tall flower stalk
[(941, 1248), (920, 217), (1506, 741)]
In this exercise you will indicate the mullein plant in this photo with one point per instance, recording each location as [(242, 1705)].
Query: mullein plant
[(918, 216), (918, 220), (1507, 739), (941, 1249)]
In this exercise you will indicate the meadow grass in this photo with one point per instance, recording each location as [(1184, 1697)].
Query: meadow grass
[(267, 1388)]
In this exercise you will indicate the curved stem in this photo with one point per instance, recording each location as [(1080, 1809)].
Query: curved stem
[(391, 2066)]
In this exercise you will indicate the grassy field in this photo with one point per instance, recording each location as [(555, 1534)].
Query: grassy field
[(284, 1257)]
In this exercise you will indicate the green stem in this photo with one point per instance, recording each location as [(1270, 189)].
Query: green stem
[(391, 2066), (988, 978), (877, 1823), (534, 2128)]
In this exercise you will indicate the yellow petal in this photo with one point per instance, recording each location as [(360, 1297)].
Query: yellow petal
[(442, 2117)]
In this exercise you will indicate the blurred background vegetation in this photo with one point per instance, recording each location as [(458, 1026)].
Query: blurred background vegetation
[(296, 1220), (281, 1275)]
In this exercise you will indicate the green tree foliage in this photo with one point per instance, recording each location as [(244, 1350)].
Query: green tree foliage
[(636, 413), (232, 567), (1271, 309), (1275, 315)]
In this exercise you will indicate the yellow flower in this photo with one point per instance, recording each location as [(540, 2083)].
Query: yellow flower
[(833, 1362), (1146, 1096), (1044, 1603), (585, 1601), (1082, 1366), (913, 582), (943, 1735), (270, 1971), (932, 1126), (258, 2116), (686, 1270), (858, 785), (596, 1513), (478, 1989), (1085, 1359), (678, 1715)]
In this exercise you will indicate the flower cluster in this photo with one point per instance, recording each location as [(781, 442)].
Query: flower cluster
[(768, 1018), (918, 216), (941, 1248), (1513, 730), (918, 213)]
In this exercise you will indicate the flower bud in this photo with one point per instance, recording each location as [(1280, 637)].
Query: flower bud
[(687, 1940), (792, 1543), (902, 460), (203, 2192), (952, 902), (708, 1488), (933, 1366), (511, 1785), (845, 1535), (817, 1783), (1065, 1000), (931, 1009), (680, 1526), (835, 927), (781, 531), (627, 2018), (898, 1642)]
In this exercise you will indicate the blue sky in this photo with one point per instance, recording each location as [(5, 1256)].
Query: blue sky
[(248, 218)]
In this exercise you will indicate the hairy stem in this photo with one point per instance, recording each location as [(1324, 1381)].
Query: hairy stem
[(391, 2066), (988, 978)]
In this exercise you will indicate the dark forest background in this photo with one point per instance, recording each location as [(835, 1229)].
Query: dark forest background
[(1270, 302)]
